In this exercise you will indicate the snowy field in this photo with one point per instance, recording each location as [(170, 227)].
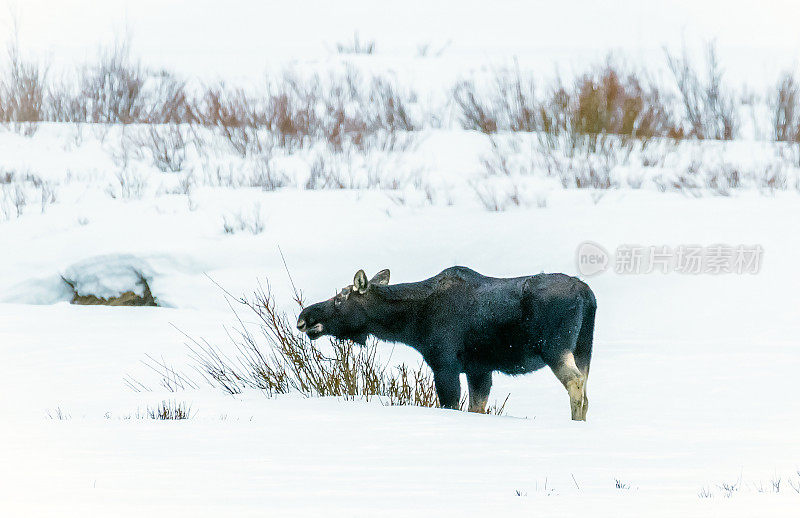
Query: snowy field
[(694, 376)]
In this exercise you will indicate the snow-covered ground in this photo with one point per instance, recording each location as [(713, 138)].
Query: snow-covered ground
[(693, 381), (692, 384)]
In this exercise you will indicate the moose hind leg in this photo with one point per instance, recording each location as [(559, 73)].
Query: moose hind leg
[(585, 399), (575, 382), (480, 384)]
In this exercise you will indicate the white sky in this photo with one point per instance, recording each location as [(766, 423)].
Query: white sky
[(242, 37)]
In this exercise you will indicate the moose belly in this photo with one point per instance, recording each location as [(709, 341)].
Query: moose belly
[(513, 357)]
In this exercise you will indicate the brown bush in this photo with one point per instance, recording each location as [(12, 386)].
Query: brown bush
[(606, 101), (603, 101), (476, 113)]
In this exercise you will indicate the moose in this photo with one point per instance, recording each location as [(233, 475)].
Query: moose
[(463, 322)]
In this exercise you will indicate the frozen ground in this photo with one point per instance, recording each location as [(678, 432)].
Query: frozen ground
[(693, 382)]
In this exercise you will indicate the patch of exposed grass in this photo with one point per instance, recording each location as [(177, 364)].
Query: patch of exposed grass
[(128, 298)]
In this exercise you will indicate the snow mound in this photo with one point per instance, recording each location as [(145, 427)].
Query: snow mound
[(109, 276)]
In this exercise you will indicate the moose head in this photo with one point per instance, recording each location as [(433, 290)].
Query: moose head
[(344, 316)]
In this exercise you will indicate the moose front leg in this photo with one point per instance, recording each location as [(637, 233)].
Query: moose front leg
[(480, 384), (448, 388)]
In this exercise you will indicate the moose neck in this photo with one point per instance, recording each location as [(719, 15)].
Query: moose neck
[(392, 319)]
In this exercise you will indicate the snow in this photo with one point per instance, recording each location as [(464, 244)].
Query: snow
[(690, 386), (693, 379)]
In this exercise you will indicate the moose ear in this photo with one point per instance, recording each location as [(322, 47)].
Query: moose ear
[(360, 281), (382, 277)]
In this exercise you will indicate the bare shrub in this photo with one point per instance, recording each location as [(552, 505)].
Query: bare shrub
[(118, 89), (497, 200), (47, 192), (240, 118), (686, 181), (265, 177), (354, 169), (426, 49), (169, 378), (327, 174), (619, 484), (13, 200), (775, 485), (112, 88), (588, 175), (729, 488), (772, 178), (170, 410), (221, 106), (291, 111), (721, 180), (58, 415), (606, 100), (166, 100), (22, 91), (234, 116), (475, 112), (342, 123), (610, 101), (241, 222), (507, 158), (391, 111), (517, 101), (586, 163), (245, 140), (358, 113), (277, 359), (65, 102), (709, 109), (510, 104), (786, 110), (704, 493), (356, 46), (129, 184), (165, 145)]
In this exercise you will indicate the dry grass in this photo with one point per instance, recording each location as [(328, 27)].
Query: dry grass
[(170, 410), (128, 298)]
